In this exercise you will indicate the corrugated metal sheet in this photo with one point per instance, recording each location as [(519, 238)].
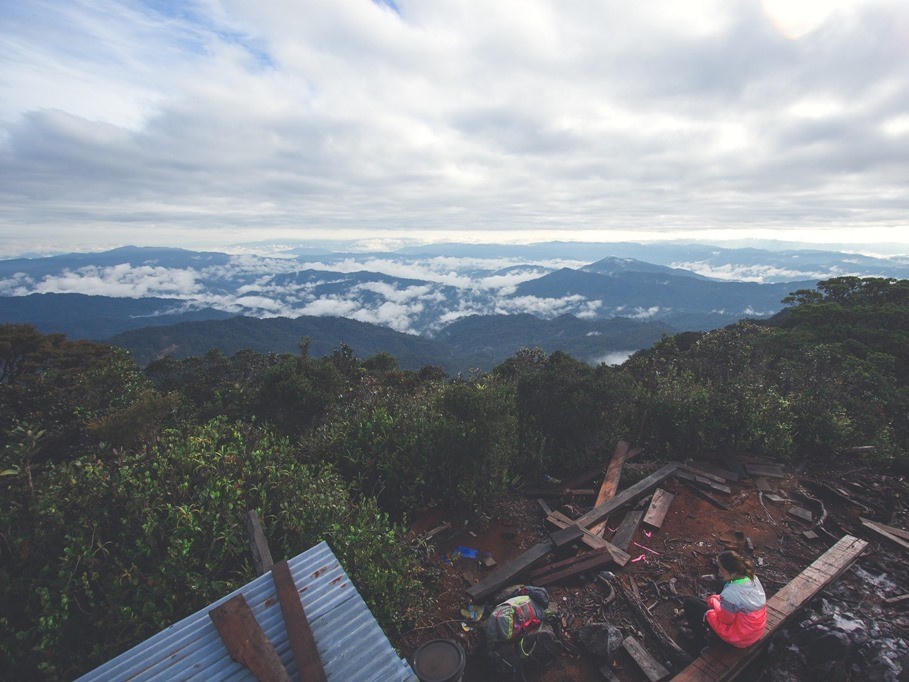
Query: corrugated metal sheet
[(350, 642)]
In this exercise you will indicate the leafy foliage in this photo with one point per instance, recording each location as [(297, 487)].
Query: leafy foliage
[(109, 551), (122, 491)]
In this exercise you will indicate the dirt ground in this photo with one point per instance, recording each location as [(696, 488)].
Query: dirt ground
[(678, 560)]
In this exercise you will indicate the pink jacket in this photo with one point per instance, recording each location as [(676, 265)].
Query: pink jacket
[(738, 615)]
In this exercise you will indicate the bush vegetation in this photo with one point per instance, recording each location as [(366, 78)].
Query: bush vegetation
[(123, 489)]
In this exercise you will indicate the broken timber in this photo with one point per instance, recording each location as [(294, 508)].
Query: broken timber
[(647, 663), (611, 480), (522, 562), (712, 500), (708, 468), (559, 520), (724, 662), (687, 475), (566, 536), (659, 507), (309, 665), (258, 545), (500, 578), (570, 567), (627, 529), (885, 532), (246, 642)]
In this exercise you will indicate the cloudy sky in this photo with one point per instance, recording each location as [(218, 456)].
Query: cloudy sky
[(211, 122)]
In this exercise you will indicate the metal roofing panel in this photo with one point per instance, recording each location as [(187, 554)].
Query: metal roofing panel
[(350, 642)]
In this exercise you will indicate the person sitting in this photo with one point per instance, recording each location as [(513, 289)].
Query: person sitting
[(738, 615)]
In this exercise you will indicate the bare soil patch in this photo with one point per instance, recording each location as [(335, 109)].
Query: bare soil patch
[(678, 559)]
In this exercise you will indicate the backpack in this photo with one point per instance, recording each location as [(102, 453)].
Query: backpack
[(516, 632)]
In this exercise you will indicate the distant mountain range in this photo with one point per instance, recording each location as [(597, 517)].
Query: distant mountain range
[(453, 305)]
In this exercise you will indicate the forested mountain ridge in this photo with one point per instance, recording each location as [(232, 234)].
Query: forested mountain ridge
[(122, 488)]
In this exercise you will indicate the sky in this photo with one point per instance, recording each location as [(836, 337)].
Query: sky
[(207, 123)]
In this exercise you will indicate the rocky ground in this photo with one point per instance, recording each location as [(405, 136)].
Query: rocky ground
[(848, 632)]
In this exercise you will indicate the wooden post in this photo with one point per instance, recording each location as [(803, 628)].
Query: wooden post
[(246, 642), (309, 665), (611, 481), (257, 543)]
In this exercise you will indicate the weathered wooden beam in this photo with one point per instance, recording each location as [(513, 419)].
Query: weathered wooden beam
[(897, 600), (508, 572), (659, 507), (579, 565), (626, 530), (246, 641), (712, 500), (261, 554), (704, 482), (610, 483), (722, 662), (880, 529), (647, 663), (800, 513), (566, 536), (713, 470), (703, 474), (559, 520), (302, 642), (627, 496), (893, 530)]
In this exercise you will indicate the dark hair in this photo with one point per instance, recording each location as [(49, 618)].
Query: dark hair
[(735, 563)]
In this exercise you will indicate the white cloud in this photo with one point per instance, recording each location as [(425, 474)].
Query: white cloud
[(122, 280), (616, 357), (645, 313), (124, 121)]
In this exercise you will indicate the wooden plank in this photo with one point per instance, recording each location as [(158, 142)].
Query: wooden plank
[(302, 642), (547, 510), (659, 507), (723, 662), (610, 483), (810, 535), (591, 562), (877, 528), (897, 600), (508, 572), (564, 563), (703, 482), (712, 500), (724, 474), (762, 484), (647, 663), (593, 541), (776, 499), (627, 496), (258, 545), (898, 532), (703, 474), (800, 513), (627, 529), (246, 641), (768, 470), (565, 536)]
